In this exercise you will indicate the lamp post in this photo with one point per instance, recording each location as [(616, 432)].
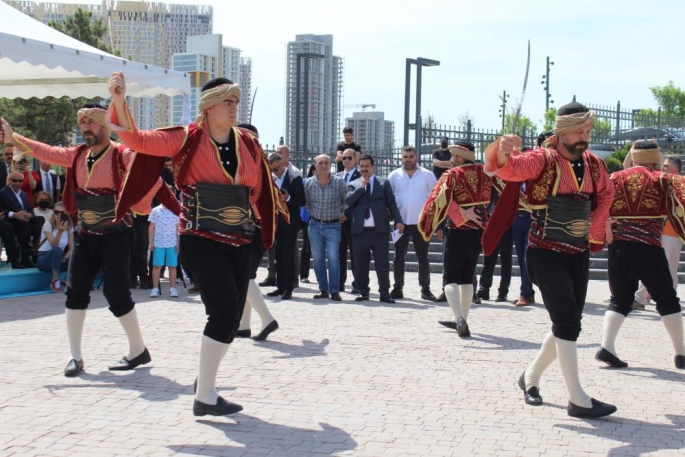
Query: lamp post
[(420, 62), (503, 108), (307, 57), (545, 81)]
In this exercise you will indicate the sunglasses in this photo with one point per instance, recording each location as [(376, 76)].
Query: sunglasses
[(348, 158), (58, 211), (17, 180)]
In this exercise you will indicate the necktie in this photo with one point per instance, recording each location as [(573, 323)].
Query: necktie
[(367, 211), (345, 176), (47, 186)]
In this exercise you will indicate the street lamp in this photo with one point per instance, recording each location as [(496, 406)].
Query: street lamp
[(545, 79), (307, 57), (503, 107), (419, 62)]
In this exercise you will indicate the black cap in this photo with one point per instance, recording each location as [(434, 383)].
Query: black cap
[(466, 144), (572, 108)]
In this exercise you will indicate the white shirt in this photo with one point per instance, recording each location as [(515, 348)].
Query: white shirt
[(411, 192), (279, 181), (166, 227), (347, 175), (370, 222), (63, 241)]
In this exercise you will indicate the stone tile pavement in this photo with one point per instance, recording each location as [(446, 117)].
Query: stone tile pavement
[(337, 379)]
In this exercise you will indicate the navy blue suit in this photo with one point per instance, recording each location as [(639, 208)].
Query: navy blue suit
[(346, 237), (381, 204), (286, 234), (23, 230)]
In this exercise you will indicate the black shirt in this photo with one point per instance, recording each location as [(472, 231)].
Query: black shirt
[(441, 154), (341, 147)]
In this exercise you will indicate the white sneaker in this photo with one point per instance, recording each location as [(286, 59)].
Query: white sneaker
[(178, 281), (154, 292), (173, 292)]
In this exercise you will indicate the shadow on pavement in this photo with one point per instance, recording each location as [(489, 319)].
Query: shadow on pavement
[(38, 306), (151, 387), (261, 437), (656, 373), (308, 348), (502, 342), (596, 309), (639, 436)]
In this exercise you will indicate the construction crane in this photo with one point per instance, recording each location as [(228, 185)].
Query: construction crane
[(363, 106)]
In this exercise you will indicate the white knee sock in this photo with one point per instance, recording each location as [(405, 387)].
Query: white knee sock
[(75, 320), (256, 300), (674, 327), (568, 361), (247, 315), (612, 324), (212, 352), (545, 357), (452, 294), (136, 345), (466, 299)]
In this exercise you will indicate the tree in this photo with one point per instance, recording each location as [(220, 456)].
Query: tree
[(51, 120), (464, 120), (601, 129), (549, 120), (671, 99), (525, 126)]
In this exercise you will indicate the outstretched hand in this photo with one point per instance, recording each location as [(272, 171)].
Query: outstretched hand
[(6, 133), (117, 86)]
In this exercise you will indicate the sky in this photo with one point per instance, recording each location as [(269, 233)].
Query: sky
[(604, 51)]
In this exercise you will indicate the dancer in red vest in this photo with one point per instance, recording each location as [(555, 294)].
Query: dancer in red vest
[(226, 189), (569, 193), (95, 183)]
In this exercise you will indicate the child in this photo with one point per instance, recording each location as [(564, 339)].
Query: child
[(163, 233)]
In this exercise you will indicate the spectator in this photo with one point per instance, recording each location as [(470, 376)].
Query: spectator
[(441, 158), (349, 143), (43, 207), (306, 253), (27, 226), (411, 185), (163, 238), (8, 239), (349, 174), (57, 240), (49, 182), (29, 183), (6, 164)]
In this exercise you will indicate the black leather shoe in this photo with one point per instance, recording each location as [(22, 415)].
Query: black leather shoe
[(243, 333), (145, 284), (449, 324), (500, 298), (275, 293), (680, 361), (272, 327), (335, 296), (28, 263), (362, 298), (475, 300), (463, 328), (610, 359), (321, 295), (427, 295), (268, 282), (73, 368), (354, 291), (386, 299), (396, 293), (222, 408), (442, 298), (483, 293), (599, 409), (296, 285), (125, 364), (531, 396), (287, 295), (18, 266)]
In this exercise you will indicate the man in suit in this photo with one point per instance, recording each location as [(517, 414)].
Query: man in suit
[(8, 240), (370, 200), (49, 182), (20, 214), (292, 189), (6, 164), (349, 174)]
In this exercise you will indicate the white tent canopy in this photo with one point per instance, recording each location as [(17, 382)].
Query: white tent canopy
[(39, 61)]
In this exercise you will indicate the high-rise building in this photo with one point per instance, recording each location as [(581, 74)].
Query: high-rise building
[(322, 114), (372, 131), (146, 32), (207, 58)]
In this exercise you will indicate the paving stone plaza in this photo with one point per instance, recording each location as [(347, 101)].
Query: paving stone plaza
[(337, 379)]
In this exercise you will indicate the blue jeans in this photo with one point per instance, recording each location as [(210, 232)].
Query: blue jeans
[(324, 240), (521, 228), (51, 260)]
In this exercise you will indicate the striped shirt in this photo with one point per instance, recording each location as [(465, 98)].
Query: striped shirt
[(325, 203)]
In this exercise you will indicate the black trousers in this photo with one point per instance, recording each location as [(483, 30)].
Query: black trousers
[(562, 280), (256, 254), (8, 240), (306, 252), (286, 245), (421, 250), (139, 257), (460, 256), (504, 250), (631, 262), (222, 272), (26, 232), (346, 245), (364, 243), (110, 253)]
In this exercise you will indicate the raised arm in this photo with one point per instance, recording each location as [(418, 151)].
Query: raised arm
[(503, 159)]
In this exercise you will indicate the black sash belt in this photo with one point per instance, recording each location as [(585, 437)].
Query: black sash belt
[(567, 220), (221, 208), (96, 213)]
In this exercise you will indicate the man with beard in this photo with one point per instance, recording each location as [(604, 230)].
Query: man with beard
[(462, 196), (221, 171), (643, 196), (95, 178), (569, 193)]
